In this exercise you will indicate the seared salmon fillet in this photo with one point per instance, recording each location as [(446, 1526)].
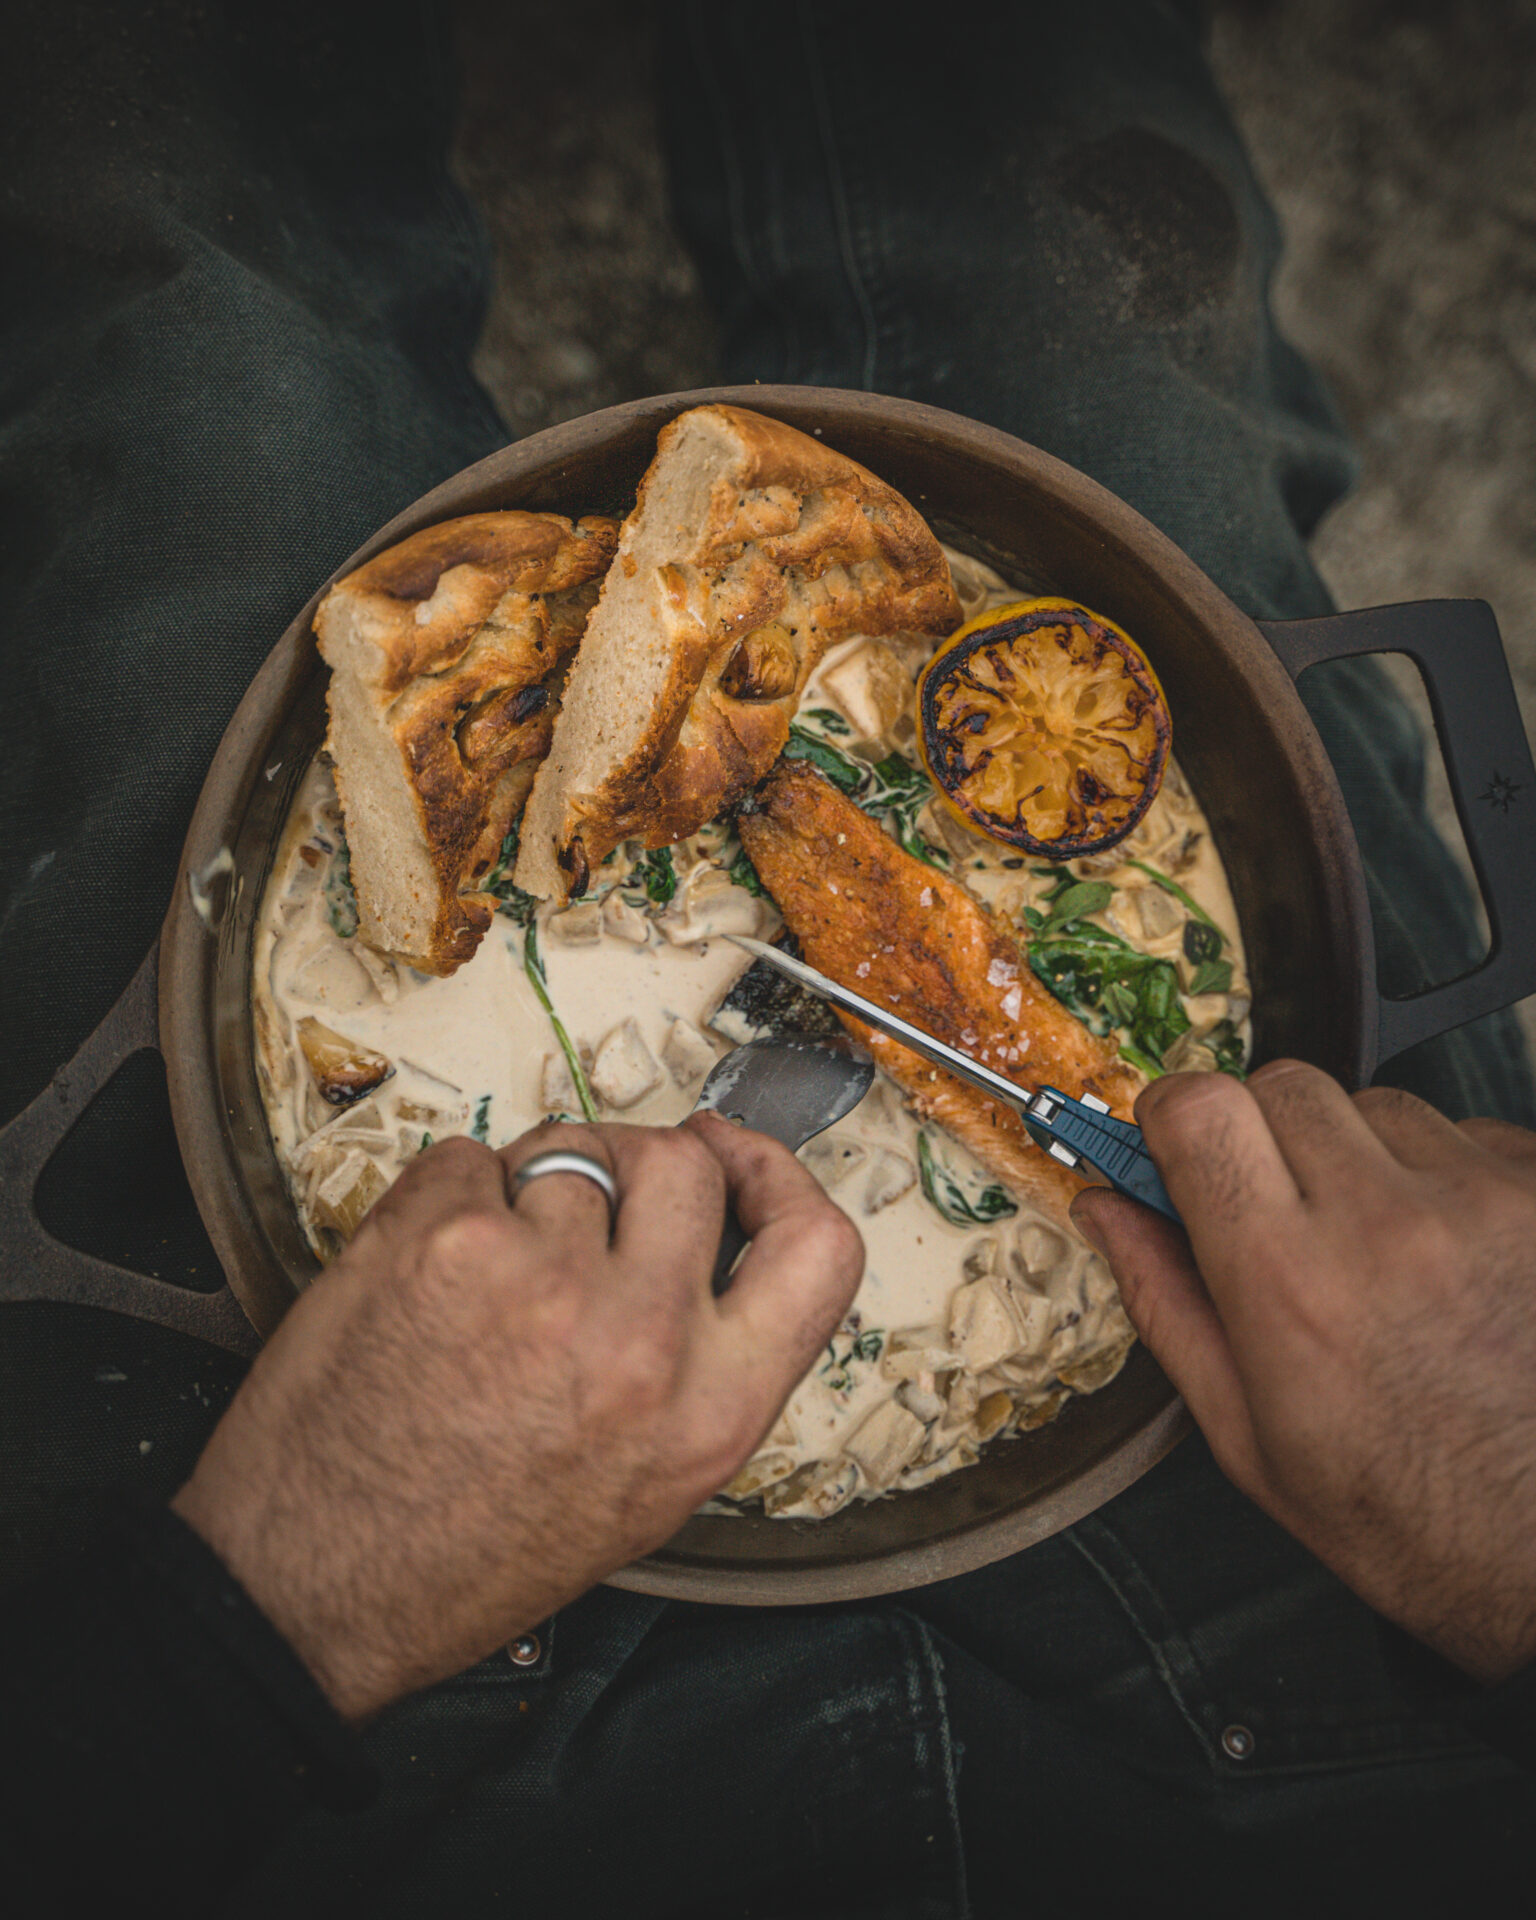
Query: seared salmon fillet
[(878, 920)]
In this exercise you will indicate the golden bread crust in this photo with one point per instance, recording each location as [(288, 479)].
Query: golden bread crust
[(448, 654), (785, 547)]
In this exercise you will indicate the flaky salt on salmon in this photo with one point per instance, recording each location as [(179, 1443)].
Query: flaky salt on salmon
[(878, 920)]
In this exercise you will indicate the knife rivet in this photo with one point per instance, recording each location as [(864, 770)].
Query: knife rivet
[(1237, 1743)]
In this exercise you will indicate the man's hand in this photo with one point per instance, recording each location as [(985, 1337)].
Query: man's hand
[(482, 1408), (1352, 1321)]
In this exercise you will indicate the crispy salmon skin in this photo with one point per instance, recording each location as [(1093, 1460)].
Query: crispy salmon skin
[(878, 920)]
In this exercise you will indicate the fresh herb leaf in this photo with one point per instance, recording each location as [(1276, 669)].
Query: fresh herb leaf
[(1130, 1051), (533, 966), (1064, 877), (657, 875), (827, 719), (1033, 917), (518, 906), (1225, 1044), (426, 1141), (1077, 901), (340, 899), (1172, 886), (481, 1129), (837, 1369), (893, 790), (1211, 976), (845, 774), (744, 874), (898, 792), (1202, 942), (1107, 983), (944, 1192)]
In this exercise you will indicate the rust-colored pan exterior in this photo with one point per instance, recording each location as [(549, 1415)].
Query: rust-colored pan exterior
[(1244, 738)]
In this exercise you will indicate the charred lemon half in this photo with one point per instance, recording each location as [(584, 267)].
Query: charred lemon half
[(1043, 726)]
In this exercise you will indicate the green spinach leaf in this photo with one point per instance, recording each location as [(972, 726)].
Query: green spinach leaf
[(944, 1191), (1211, 976), (656, 873), (340, 899)]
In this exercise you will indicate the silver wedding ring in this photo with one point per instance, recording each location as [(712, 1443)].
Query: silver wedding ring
[(561, 1160)]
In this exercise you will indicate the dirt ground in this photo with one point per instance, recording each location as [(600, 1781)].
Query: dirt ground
[(1397, 139)]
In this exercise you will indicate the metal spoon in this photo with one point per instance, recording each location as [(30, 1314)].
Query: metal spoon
[(791, 1087)]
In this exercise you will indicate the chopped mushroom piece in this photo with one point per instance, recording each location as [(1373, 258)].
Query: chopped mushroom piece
[(983, 1324), (1040, 1409), (922, 1400), (1188, 1054), (688, 1055), (557, 1089), (899, 1363), (762, 1471), (892, 1175), (343, 1070), (578, 926), (346, 1191), (890, 1439), (872, 688), (1159, 913), (960, 1452), (625, 1070), (815, 1492), (709, 904), (625, 922), (380, 970), (993, 1415), (1098, 1369), (1035, 1314), (832, 1159), (1038, 1250)]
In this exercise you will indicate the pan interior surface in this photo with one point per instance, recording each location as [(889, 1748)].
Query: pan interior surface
[(1239, 734)]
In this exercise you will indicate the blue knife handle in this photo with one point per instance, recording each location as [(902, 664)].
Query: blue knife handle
[(1114, 1148)]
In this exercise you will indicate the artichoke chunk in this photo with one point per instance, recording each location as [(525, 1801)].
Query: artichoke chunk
[(343, 1070), (762, 1471)]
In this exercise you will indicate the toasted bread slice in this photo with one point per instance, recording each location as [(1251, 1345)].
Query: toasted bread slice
[(447, 655), (751, 548)]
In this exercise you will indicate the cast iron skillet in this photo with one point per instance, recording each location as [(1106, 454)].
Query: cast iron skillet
[(1255, 762)]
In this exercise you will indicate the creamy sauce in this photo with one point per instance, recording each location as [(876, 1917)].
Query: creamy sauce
[(958, 1331)]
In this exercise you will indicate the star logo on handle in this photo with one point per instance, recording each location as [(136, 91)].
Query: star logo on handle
[(1500, 792)]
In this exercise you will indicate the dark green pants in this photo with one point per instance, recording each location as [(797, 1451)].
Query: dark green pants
[(242, 297)]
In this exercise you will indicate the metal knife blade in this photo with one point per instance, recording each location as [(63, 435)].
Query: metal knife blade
[(884, 1021), (1079, 1132)]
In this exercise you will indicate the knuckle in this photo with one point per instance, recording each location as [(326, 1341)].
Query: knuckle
[(469, 1244), (1389, 1104), (1182, 1109), (686, 1152)]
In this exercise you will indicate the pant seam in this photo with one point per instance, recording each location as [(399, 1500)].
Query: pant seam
[(1151, 1642), (933, 1668)]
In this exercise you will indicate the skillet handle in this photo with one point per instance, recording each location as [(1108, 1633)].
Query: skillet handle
[(1456, 646), (35, 1266)]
